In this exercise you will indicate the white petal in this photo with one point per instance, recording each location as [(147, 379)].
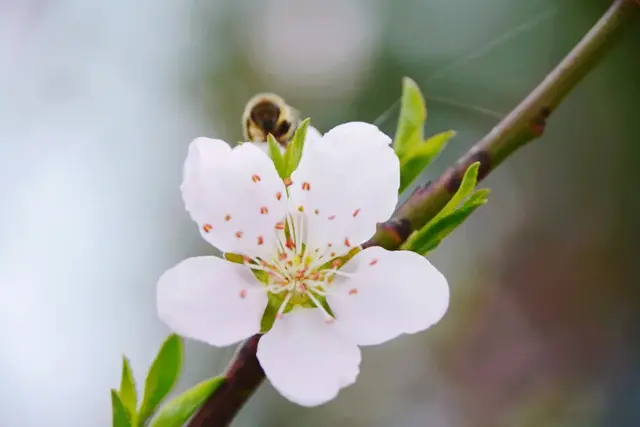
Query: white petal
[(346, 183), (307, 359), (235, 196), (358, 130), (390, 293), (211, 300)]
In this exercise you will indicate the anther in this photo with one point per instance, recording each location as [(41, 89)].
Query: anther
[(279, 225), (316, 211), (278, 195), (347, 243), (264, 210), (207, 228), (260, 240), (336, 263), (243, 293), (306, 186), (227, 217), (239, 234), (353, 291), (300, 208), (356, 212), (256, 178), (332, 217), (373, 261)]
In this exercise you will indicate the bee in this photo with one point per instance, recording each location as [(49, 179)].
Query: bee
[(267, 113)]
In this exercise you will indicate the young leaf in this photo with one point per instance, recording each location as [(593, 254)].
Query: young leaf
[(435, 231), (467, 185), (413, 113), (414, 162), (276, 156), (162, 376), (293, 154), (121, 417), (127, 392), (178, 410)]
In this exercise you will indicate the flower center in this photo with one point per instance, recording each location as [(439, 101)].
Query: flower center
[(298, 275)]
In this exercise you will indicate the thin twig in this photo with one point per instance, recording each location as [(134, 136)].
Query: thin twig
[(524, 124)]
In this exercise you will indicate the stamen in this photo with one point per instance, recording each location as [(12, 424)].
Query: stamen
[(283, 306)]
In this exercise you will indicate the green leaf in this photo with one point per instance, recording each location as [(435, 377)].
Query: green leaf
[(413, 113), (121, 417), (127, 392), (293, 154), (467, 185), (162, 376), (416, 160), (434, 232), (276, 156), (178, 410)]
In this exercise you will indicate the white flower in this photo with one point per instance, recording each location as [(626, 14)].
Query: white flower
[(346, 183)]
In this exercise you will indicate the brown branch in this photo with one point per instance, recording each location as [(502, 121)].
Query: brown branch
[(524, 124)]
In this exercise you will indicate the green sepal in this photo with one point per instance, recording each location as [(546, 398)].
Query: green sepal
[(276, 156), (270, 311), (293, 154), (235, 258), (127, 392), (178, 410), (416, 160), (121, 417), (413, 113), (162, 376)]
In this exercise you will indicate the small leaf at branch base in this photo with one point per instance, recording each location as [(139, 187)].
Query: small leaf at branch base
[(121, 416), (413, 113), (127, 393), (434, 232), (276, 156), (467, 185), (293, 154), (162, 376), (416, 160), (178, 410)]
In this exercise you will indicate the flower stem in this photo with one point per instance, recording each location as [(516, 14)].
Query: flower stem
[(524, 124)]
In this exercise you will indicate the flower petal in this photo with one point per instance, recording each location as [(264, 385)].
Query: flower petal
[(346, 183), (211, 300), (235, 196), (307, 359), (390, 293)]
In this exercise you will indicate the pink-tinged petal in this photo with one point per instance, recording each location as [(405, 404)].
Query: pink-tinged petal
[(390, 293), (346, 183), (307, 359), (235, 196), (211, 300)]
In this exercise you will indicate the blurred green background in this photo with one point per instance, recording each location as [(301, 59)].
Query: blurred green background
[(100, 100)]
